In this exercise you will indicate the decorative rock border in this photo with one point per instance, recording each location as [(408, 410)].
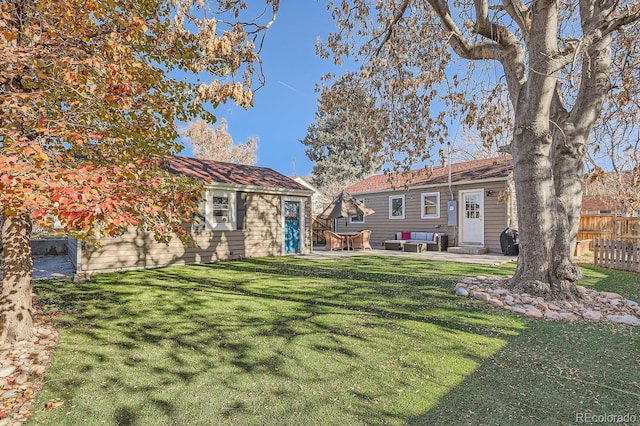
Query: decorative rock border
[(594, 306)]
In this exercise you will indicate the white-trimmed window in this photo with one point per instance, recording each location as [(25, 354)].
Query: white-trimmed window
[(219, 210), (396, 207), (358, 219), (430, 205)]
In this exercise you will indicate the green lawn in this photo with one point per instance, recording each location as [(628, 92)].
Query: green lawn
[(352, 341)]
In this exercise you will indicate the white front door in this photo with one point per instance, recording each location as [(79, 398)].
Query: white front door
[(472, 221)]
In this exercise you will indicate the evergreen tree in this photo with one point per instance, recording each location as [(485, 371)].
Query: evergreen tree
[(338, 145)]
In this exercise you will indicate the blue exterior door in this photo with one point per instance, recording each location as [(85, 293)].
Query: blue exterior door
[(292, 226)]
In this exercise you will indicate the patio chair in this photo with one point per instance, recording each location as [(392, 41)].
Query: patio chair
[(334, 241), (361, 240)]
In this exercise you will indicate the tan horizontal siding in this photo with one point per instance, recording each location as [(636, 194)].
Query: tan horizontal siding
[(495, 217), (263, 236), (384, 228)]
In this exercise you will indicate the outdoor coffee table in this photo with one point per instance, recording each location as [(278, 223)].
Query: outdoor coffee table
[(415, 247), (393, 244)]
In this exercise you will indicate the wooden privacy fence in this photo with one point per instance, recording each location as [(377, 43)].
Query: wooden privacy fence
[(609, 226), (614, 254)]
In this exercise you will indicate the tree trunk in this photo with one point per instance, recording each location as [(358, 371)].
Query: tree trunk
[(16, 301), (570, 139), (532, 173), (548, 152), (549, 195), (568, 178)]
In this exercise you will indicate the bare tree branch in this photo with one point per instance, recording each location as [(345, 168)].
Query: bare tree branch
[(389, 30), (572, 51)]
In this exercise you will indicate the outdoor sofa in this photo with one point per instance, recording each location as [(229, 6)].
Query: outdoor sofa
[(409, 241)]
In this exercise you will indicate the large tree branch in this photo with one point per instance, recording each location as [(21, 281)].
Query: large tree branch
[(595, 35), (542, 67), (458, 42), (595, 83), (490, 30), (464, 48), (504, 46), (520, 14)]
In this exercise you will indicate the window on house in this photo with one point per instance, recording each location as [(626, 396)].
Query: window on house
[(396, 207), (221, 208), (472, 208), (431, 205), (217, 210), (358, 219)]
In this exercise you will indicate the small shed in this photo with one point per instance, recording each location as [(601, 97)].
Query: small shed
[(247, 211)]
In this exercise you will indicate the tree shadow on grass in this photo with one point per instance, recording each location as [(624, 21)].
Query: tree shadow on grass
[(549, 374), (402, 295), (240, 323)]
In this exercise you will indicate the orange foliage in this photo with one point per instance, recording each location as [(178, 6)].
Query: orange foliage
[(88, 107)]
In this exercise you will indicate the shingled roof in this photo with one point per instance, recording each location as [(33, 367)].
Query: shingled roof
[(599, 203), (231, 174), (469, 171)]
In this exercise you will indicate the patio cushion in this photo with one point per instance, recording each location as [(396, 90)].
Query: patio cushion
[(429, 237), (421, 236)]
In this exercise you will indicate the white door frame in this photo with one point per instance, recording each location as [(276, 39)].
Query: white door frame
[(463, 222), (303, 235)]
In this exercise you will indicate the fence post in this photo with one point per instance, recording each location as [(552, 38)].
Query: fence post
[(619, 254), (627, 257)]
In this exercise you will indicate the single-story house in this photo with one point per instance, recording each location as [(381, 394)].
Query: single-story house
[(247, 211), (471, 202)]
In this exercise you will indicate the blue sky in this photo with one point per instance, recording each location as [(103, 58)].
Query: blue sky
[(286, 105)]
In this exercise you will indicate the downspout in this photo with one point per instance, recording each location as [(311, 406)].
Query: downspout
[(455, 228), (449, 166)]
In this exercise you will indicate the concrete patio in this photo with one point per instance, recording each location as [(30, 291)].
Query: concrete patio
[(47, 267), (478, 259)]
